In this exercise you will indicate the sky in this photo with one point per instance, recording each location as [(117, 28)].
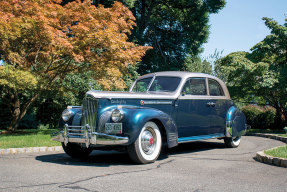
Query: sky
[(239, 25)]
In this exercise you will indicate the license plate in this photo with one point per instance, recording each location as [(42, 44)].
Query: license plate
[(113, 128)]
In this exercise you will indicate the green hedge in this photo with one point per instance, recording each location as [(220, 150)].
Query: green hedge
[(259, 117)]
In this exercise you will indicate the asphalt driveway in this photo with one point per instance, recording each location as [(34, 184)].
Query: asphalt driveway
[(197, 166)]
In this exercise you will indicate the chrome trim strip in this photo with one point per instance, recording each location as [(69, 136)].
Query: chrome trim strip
[(73, 107), (200, 137), (146, 102), (202, 97), (105, 139), (172, 137)]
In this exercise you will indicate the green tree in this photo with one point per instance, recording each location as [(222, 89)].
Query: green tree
[(41, 42), (261, 73), (173, 28), (72, 91), (196, 64)]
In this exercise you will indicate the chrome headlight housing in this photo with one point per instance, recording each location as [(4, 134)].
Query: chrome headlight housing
[(117, 115), (67, 114)]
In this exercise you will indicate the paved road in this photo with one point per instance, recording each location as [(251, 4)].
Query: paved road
[(197, 166)]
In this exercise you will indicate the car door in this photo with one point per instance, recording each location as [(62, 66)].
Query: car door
[(218, 106), (192, 117)]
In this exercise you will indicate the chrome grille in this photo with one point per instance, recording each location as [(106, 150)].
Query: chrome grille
[(89, 112), (75, 131)]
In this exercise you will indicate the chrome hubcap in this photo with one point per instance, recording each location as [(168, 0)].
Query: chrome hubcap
[(236, 140), (148, 141)]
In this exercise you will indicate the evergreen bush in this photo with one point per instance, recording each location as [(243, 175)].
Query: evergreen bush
[(259, 117)]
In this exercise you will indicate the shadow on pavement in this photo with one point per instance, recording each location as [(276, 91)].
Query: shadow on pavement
[(109, 158), (96, 158), (196, 146)]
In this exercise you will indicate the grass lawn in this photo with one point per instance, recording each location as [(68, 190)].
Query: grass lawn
[(28, 138), (278, 152)]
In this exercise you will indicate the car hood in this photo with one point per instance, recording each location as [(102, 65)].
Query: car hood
[(131, 95)]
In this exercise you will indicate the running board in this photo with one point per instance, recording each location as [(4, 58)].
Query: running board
[(200, 137)]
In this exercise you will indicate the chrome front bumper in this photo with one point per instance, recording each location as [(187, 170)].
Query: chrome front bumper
[(83, 134)]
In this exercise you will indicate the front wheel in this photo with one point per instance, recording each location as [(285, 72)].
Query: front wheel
[(232, 142), (75, 150), (146, 148)]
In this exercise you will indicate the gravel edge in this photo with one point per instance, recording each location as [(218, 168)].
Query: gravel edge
[(263, 158), (30, 150)]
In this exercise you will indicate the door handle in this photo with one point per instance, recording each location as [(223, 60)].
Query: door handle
[(211, 104)]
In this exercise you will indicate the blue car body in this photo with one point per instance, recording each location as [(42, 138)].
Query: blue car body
[(198, 107)]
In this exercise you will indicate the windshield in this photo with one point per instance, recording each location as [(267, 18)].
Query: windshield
[(142, 85), (160, 84)]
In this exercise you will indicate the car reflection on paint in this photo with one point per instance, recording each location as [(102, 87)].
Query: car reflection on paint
[(163, 107)]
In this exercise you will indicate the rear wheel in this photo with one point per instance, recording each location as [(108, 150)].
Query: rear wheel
[(232, 142), (146, 148), (75, 150)]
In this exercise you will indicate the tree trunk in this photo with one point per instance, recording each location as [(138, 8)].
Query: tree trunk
[(15, 103), (17, 113), (279, 121)]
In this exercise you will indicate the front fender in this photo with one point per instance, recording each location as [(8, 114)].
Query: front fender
[(235, 122), (137, 117), (75, 120), (134, 119)]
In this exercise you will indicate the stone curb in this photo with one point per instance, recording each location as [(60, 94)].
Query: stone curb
[(270, 136), (277, 161), (263, 158), (29, 150)]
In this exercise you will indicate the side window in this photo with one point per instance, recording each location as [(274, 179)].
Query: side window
[(214, 88), (195, 86)]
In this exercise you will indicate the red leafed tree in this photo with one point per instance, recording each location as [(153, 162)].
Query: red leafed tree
[(42, 41)]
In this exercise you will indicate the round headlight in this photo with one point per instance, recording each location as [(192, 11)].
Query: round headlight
[(67, 114), (117, 115)]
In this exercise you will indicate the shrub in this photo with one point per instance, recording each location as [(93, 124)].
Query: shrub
[(28, 122), (49, 112), (259, 117), (5, 115)]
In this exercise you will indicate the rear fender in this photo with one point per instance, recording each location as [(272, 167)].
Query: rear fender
[(235, 122)]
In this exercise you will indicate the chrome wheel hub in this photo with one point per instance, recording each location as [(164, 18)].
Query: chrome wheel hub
[(148, 141)]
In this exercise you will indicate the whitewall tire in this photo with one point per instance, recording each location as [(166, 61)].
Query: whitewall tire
[(232, 142), (147, 147)]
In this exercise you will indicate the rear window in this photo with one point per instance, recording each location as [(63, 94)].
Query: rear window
[(214, 88)]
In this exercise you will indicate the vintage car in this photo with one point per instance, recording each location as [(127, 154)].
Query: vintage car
[(160, 109)]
